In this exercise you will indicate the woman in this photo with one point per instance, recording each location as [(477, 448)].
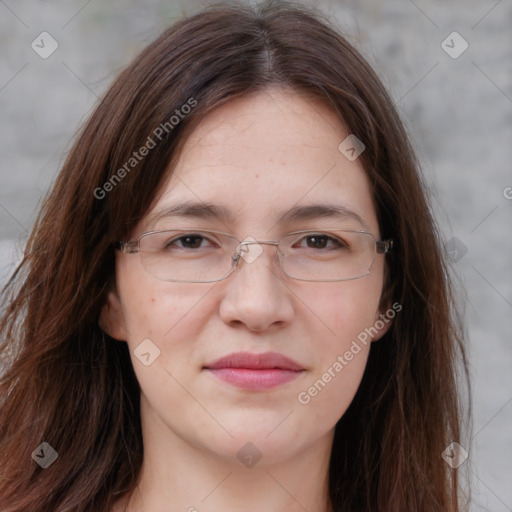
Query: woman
[(235, 294)]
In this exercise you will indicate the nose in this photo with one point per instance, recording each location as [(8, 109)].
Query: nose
[(255, 294)]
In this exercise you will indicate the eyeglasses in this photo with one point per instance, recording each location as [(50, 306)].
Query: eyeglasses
[(204, 256)]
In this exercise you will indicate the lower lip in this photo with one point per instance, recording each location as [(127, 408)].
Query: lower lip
[(255, 379)]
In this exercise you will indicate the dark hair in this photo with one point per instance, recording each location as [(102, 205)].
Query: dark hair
[(68, 384)]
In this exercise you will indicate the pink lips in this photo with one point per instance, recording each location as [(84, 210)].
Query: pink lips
[(255, 371)]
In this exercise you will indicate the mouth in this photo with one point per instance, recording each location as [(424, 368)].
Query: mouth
[(255, 371)]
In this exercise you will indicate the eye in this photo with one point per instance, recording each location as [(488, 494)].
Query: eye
[(188, 241), (322, 241)]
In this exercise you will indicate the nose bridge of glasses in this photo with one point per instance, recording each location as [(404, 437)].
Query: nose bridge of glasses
[(246, 242), (244, 252)]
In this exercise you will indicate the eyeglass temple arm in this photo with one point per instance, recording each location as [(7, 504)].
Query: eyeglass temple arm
[(127, 247), (384, 246)]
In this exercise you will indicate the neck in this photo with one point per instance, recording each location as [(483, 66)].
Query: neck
[(177, 476)]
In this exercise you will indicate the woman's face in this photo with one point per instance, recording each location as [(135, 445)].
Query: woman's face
[(256, 158)]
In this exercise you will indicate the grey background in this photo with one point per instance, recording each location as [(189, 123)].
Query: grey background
[(458, 113)]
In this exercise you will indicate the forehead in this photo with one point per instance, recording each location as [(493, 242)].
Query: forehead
[(264, 153), (271, 123)]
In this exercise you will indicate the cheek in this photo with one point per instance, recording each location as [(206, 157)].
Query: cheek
[(326, 398), (344, 310), (166, 313), (347, 311), (164, 320)]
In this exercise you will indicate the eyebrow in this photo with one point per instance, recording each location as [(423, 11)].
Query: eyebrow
[(208, 211)]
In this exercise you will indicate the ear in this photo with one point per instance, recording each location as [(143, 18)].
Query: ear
[(382, 322), (112, 320)]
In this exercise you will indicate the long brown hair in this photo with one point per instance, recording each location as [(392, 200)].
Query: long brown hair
[(68, 384)]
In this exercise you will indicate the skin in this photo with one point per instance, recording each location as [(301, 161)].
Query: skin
[(258, 155)]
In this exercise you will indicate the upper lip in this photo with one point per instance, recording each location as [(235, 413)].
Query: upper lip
[(252, 361)]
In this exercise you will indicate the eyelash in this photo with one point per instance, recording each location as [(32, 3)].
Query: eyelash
[(340, 243)]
